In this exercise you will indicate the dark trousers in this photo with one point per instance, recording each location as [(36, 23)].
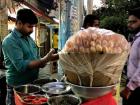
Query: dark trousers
[(3, 91), (10, 99), (134, 98)]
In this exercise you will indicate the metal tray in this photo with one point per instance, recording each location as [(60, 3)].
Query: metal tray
[(56, 88)]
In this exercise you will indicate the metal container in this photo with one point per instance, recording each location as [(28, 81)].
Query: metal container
[(27, 89), (91, 92), (64, 100), (56, 88), (43, 81)]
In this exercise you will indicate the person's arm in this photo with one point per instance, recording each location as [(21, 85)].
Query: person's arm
[(14, 53), (133, 70), (133, 83), (134, 66), (42, 62)]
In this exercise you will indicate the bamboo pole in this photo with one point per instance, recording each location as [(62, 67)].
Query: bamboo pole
[(89, 6)]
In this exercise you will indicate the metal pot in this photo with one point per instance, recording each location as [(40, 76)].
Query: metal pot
[(43, 81), (56, 88), (27, 89), (91, 92), (64, 100)]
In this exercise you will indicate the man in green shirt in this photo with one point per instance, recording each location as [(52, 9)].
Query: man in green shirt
[(21, 55)]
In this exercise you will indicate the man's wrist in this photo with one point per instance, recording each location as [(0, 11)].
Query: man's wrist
[(132, 85), (127, 88), (43, 61)]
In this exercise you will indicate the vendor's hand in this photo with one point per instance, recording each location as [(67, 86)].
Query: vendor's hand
[(125, 93), (51, 56)]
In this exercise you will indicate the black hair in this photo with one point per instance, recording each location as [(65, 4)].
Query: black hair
[(56, 30), (89, 20), (135, 12), (26, 16)]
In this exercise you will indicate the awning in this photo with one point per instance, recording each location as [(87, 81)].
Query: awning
[(12, 5)]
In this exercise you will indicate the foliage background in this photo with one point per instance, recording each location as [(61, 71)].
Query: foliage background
[(114, 13)]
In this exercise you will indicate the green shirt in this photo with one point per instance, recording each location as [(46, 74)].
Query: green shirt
[(18, 52)]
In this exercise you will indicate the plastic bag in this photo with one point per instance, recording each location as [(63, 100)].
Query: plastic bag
[(87, 67)]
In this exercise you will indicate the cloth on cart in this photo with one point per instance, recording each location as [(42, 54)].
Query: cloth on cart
[(107, 99)]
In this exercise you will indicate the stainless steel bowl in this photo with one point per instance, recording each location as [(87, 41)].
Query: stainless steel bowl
[(64, 100), (41, 82), (56, 88), (91, 92), (27, 89)]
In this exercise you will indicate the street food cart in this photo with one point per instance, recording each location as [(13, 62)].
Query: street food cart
[(91, 72)]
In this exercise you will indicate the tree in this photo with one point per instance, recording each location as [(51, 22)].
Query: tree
[(114, 14), (116, 24)]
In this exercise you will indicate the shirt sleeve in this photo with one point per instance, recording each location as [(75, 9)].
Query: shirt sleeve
[(134, 82), (134, 66), (14, 54)]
